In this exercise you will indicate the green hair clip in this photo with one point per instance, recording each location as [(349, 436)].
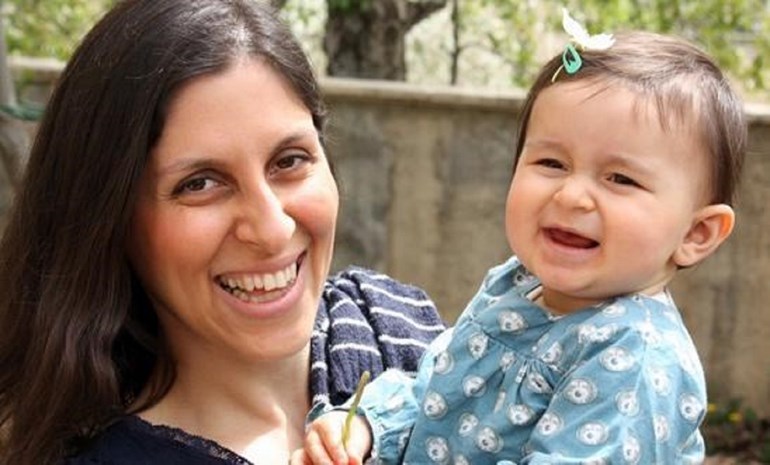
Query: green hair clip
[(571, 61)]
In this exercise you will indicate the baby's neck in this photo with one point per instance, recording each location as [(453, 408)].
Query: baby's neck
[(563, 304)]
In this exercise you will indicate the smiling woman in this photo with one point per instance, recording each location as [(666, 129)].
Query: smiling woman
[(164, 289)]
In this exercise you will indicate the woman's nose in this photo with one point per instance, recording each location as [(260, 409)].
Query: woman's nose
[(575, 193), (263, 220)]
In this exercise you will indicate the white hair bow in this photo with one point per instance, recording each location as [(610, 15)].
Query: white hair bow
[(581, 37), (571, 60)]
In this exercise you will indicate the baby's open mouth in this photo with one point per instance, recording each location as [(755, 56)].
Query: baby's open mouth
[(570, 239), (259, 287)]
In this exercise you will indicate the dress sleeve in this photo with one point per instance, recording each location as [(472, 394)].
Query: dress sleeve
[(391, 404), (628, 401)]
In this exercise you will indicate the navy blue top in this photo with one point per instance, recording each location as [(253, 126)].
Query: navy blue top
[(366, 321)]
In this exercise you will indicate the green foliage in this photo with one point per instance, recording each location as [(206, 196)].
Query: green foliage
[(521, 35), (501, 42), (733, 430), (735, 32), (347, 5), (48, 28)]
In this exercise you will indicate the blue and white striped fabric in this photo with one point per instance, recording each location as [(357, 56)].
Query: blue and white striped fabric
[(367, 321)]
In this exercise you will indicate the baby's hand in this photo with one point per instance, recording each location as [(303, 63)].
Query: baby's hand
[(323, 442)]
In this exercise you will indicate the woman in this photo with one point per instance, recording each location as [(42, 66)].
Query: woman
[(163, 278)]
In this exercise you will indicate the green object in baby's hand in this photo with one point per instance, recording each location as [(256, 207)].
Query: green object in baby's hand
[(354, 406)]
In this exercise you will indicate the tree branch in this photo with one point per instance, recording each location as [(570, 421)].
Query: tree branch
[(417, 11)]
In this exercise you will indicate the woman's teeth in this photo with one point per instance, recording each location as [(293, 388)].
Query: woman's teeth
[(244, 285)]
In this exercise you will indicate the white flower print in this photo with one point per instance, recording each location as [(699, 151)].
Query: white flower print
[(444, 363), (616, 359), (511, 322), (649, 333), (632, 450), (595, 461), (661, 428), (434, 406), (627, 403), (580, 391), (553, 354), (592, 433), (461, 460), (522, 277), (507, 360), (467, 424), (477, 345), (474, 386), (520, 414), (614, 309), (660, 381), (690, 407), (537, 383), (488, 440), (549, 424), (499, 401), (589, 333), (437, 449)]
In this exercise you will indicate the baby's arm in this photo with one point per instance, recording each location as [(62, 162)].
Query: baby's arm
[(324, 444), (389, 407), (388, 401)]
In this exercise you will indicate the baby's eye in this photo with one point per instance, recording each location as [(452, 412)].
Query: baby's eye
[(622, 179), (550, 163)]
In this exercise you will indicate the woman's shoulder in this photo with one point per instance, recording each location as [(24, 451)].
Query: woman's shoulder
[(383, 299), (367, 321), (130, 441)]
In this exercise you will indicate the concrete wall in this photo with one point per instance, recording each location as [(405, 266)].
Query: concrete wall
[(426, 171), (424, 174)]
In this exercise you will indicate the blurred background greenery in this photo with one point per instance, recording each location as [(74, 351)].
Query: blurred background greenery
[(485, 43)]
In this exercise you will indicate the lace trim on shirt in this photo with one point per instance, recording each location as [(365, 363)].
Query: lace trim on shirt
[(201, 444)]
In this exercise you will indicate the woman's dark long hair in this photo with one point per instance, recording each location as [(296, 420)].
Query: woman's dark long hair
[(80, 340)]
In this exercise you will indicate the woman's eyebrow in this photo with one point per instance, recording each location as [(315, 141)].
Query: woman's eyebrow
[(193, 162)]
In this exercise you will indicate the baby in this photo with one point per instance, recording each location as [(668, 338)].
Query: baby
[(573, 350)]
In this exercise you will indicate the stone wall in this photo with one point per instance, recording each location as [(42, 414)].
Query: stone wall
[(424, 174)]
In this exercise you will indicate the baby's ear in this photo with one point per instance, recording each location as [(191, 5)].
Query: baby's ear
[(710, 227)]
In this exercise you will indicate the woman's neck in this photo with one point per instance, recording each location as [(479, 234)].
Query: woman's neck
[(255, 409)]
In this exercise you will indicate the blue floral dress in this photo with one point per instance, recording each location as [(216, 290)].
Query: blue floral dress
[(619, 382)]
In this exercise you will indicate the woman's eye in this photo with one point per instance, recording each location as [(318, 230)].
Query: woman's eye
[(198, 184), (624, 180), (550, 163), (291, 161)]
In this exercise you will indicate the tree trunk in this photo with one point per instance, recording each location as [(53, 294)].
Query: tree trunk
[(367, 38), (278, 4)]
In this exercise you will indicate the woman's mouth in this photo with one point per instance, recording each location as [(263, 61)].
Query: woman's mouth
[(260, 287)]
